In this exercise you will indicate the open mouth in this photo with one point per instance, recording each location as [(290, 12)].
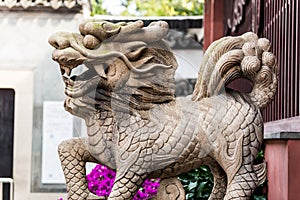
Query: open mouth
[(79, 85)]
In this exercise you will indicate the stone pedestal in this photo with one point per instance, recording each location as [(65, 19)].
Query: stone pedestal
[(282, 155)]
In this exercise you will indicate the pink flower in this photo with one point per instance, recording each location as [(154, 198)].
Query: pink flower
[(101, 180)]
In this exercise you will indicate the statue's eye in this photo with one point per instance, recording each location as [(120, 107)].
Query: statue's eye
[(64, 59)]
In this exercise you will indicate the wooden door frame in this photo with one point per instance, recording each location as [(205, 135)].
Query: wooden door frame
[(22, 82)]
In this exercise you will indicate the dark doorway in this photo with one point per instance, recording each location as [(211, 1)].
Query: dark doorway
[(7, 104)]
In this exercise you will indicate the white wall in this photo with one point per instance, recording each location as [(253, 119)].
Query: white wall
[(189, 61), (26, 66)]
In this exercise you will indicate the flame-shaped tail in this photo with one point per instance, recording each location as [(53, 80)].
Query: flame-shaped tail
[(230, 58)]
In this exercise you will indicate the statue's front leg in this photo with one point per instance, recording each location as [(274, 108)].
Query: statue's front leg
[(74, 154), (126, 185)]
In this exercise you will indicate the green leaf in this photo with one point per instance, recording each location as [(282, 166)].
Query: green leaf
[(192, 185)]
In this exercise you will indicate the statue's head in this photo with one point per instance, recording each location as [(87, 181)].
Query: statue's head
[(129, 66)]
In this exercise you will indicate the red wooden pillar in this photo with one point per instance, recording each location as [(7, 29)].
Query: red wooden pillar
[(283, 161), (213, 21), (282, 154)]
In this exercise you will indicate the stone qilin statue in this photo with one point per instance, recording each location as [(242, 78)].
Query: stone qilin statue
[(137, 126)]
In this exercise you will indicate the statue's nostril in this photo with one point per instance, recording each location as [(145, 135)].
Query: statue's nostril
[(60, 40), (55, 44), (62, 43)]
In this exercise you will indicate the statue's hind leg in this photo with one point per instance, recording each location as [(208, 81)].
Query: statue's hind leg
[(220, 182), (243, 184), (73, 155)]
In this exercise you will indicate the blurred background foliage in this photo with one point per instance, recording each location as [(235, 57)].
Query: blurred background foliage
[(97, 8), (148, 7)]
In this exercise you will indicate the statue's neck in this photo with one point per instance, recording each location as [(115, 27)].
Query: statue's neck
[(100, 137)]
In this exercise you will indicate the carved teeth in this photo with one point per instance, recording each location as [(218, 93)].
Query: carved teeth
[(65, 69), (79, 89), (68, 71), (68, 81)]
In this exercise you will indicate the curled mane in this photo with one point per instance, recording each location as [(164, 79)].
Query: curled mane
[(156, 86)]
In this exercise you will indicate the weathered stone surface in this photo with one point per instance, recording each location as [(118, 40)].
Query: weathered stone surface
[(138, 127)]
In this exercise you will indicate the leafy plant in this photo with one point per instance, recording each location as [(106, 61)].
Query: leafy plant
[(198, 183)]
